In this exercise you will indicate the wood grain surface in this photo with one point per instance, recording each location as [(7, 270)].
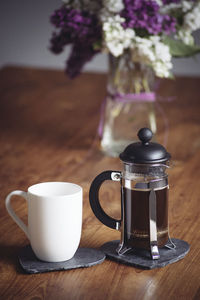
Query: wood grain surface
[(48, 132)]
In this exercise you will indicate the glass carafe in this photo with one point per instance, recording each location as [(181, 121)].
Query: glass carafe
[(145, 206)]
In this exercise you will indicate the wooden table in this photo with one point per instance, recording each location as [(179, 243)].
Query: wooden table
[(48, 126)]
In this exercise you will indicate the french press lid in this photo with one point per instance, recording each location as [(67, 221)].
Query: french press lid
[(145, 152)]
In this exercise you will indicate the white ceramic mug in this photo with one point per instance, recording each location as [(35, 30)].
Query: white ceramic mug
[(54, 219)]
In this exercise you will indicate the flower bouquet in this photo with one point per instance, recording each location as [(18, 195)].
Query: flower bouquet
[(140, 37)]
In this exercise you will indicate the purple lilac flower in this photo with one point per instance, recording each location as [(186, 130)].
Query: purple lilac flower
[(59, 40), (79, 28), (80, 54), (144, 15), (81, 24)]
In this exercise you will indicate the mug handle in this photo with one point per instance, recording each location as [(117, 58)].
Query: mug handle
[(94, 198), (11, 212)]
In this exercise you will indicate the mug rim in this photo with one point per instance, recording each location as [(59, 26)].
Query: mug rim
[(75, 189)]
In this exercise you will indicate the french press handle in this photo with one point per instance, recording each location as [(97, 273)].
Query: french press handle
[(94, 198)]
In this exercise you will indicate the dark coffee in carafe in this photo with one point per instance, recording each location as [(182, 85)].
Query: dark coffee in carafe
[(136, 217)]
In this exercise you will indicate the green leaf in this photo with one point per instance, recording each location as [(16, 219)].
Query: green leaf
[(179, 49)]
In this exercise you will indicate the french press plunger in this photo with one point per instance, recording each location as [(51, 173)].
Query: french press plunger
[(144, 196)]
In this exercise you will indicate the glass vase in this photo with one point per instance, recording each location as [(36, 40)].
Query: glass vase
[(129, 104)]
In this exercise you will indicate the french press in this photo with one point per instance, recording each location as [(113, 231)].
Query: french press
[(144, 196)]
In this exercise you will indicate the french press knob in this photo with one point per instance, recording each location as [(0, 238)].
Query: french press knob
[(144, 193)]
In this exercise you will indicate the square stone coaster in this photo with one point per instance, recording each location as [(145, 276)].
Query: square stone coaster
[(84, 257), (142, 258)]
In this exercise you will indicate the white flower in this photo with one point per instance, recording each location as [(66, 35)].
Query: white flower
[(187, 5), (185, 36), (114, 6), (162, 63), (115, 47), (116, 38), (142, 50), (129, 35), (192, 18), (162, 52), (154, 53), (191, 21), (162, 69)]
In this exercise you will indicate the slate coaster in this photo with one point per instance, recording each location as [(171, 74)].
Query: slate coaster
[(84, 257), (142, 258)]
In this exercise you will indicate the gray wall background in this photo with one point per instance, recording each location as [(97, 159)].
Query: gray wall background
[(25, 31)]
